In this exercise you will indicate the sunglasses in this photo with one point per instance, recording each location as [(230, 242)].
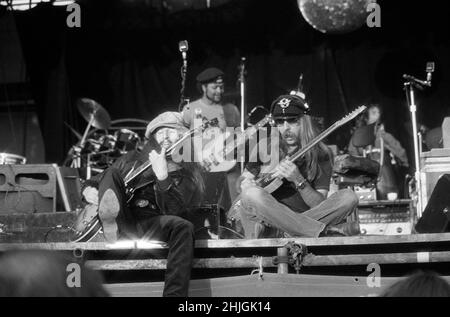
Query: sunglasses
[(280, 122)]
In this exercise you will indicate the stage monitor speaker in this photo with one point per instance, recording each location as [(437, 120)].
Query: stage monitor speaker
[(33, 189), (436, 216), (446, 133)]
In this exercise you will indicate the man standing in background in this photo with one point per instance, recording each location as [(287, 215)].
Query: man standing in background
[(211, 84)]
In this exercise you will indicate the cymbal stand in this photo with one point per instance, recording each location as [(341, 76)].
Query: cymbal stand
[(76, 163)]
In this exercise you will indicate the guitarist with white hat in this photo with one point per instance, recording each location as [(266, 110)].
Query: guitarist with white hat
[(164, 194)]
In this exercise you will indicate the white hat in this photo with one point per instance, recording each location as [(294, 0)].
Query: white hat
[(167, 119)]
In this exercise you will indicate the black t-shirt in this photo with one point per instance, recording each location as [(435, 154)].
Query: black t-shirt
[(288, 195)]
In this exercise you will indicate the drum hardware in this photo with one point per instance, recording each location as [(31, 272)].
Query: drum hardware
[(97, 117), (79, 136), (126, 140), (101, 148)]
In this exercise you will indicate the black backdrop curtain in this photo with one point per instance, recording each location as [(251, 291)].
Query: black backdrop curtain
[(126, 58)]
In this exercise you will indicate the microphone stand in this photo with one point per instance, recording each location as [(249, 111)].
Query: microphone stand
[(242, 90), (183, 99), (410, 84)]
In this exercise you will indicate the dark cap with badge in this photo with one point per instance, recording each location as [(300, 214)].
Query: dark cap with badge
[(289, 106), (210, 75)]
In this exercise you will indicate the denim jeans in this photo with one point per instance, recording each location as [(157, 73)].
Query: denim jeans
[(177, 232), (260, 210)]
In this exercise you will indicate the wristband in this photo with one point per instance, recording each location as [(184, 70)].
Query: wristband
[(301, 184)]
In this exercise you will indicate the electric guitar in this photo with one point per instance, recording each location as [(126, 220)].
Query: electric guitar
[(270, 183), (215, 153), (88, 223)]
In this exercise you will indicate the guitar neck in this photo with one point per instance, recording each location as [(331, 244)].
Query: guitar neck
[(138, 171), (269, 177), (314, 142)]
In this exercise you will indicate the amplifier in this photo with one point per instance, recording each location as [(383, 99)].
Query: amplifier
[(366, 193), (434, 165), (27, 189), (386, 229), (385, 217), (33, 189)]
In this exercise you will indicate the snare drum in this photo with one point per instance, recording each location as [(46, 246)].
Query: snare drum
[(126, 140), (12, 159)]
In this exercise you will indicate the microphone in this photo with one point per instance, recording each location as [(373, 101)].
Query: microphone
[(430, 71), (242, 71), (299, 92), (183, 46), (416, 81), (422, 83)]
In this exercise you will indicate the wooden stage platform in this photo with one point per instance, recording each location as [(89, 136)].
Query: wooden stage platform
[(137, 267), (334, 251)]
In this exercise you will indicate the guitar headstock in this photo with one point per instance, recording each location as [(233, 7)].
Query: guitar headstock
[(352, 115), (267, 119)]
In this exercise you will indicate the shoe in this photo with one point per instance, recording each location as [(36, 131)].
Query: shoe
[(108, 210), (346, 229)]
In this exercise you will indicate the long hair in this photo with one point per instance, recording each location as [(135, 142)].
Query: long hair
[(193, 171), (311, 159), (363, 120)]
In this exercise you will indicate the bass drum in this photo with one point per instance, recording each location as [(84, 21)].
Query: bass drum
[(12, 159)]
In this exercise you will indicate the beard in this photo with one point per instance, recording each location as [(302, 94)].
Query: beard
[(290, 138), (216, 98), (165, 144), (289, 143)]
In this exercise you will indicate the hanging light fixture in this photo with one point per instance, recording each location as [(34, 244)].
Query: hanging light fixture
[(22, 5), (335, 16)]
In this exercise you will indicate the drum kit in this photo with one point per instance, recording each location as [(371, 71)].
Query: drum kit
[(97, 148)]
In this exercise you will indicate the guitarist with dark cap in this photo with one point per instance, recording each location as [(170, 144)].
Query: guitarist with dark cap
[(299, 207)]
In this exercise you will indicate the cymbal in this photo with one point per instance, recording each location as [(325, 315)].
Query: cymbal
[(89, 107)]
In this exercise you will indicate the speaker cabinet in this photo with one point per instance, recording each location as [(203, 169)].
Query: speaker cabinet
[(436, 215)]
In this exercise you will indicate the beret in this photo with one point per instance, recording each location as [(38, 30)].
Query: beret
[(209, 75)]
